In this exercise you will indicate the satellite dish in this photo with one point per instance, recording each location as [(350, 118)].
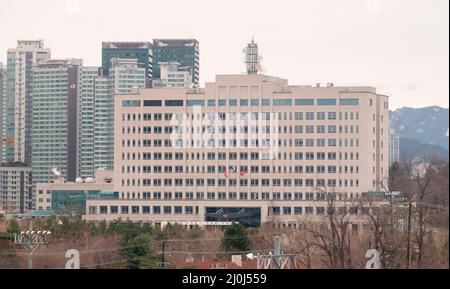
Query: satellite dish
[(250, 256), (56, 172)]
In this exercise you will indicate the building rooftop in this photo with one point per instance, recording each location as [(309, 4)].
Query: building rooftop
[(14, 164), (126, 45), (174, 42)]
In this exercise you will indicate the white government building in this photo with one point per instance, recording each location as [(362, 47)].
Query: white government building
[(293, 145)]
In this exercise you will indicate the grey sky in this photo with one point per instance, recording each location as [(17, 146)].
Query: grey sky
[(399, 46)]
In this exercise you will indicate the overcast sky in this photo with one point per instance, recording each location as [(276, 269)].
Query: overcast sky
[(399, 46)]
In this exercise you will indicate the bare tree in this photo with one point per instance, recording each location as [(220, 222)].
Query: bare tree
[(332, 235)]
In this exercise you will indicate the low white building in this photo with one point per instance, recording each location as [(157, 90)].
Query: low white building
[(61, 196)]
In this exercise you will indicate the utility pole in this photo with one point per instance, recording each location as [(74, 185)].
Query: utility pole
[(30, 252), (163, 253), (276, 250), (277, 260), (409, 236)]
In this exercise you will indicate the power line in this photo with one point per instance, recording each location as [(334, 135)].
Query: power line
[(144, 244)]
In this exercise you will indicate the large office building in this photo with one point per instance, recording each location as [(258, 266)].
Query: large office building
[(142, 51), (247, 148), (56, 93), (15, 188), (19, 100), (184, 51)]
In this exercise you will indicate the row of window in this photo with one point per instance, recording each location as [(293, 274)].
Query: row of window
[(245, 143), (331, 169), (156, 210), (243, 102), (233, 143), (242, 156), (157, 182), (275, 196), (242, 129), (243, 116), (191, 210)]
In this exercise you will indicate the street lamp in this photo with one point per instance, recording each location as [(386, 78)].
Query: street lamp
[(30, 240)]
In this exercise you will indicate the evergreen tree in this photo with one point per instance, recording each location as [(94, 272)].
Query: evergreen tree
[(13, 227), (235, 238)]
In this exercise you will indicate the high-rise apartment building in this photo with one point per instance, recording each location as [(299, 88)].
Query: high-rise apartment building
[(247, 148), (19, 102), (3, 112), (86, 121), (104, 123), (394, 147), (125, 75), (142, 51), (172, 75), (184, 51), (15, 187), (56, 93), (96, 134)]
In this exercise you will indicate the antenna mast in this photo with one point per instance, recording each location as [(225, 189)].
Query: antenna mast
[(252, 60)]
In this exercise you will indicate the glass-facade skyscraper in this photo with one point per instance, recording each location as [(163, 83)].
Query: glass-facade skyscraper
[(184, 51)]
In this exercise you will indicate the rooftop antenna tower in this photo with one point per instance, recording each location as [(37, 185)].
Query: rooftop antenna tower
[(252, 59)]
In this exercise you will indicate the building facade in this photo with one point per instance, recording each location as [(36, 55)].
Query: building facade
[(104, 123), (19, 103), (294, 145), (394, 148), (125, 76), (172, 75), (96, 114), (69, 198), (3, 113), (86, 122), (56, 93), (184, 51), (142, 51), (15, 187)]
